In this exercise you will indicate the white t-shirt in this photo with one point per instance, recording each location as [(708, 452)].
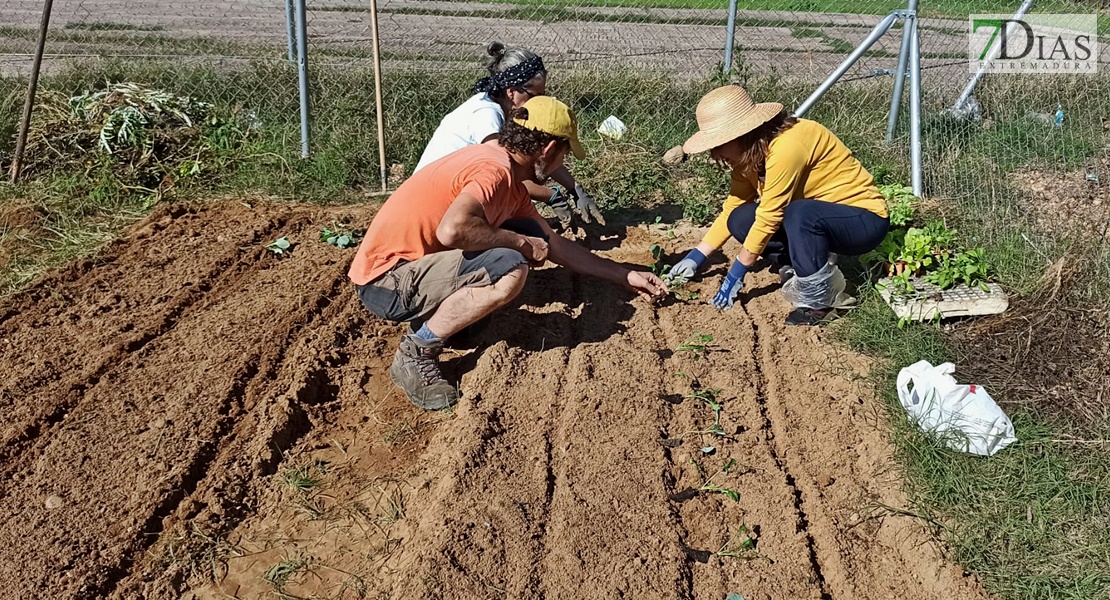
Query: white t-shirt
[(470, 123)]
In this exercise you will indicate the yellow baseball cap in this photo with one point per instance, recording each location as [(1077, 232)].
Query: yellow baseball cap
[(548, 115)]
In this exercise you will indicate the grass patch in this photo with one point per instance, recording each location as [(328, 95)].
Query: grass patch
[(836, 45), (108, 26), (303, 477), (557, 14), (1030, 521), (197, 554)]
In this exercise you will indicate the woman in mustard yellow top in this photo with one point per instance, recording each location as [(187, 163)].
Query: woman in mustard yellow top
[(797, 194)]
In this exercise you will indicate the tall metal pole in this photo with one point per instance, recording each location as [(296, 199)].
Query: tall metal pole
[(302, 73), (879, 31), (982, 70), (378, 90), (32, 87), (915, 105), (730, 37), (899, 82), (290, 35)]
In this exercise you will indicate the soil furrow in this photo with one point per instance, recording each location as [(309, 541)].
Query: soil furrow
[(223, 371), (112, 336), (665, 340), (768, 427), (183, 486), (159, 404), (254, 445)]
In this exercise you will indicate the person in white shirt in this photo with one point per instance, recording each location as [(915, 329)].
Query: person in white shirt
[(515, 76)]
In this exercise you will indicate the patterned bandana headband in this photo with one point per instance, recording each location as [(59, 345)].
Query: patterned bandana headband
[(513, 77)]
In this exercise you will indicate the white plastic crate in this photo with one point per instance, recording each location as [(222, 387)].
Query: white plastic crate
[(928, 301)]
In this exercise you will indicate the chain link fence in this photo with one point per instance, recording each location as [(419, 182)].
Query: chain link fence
[(645, 62)]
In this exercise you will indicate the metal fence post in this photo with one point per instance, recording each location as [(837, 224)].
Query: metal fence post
[(899, 82), (730, 37), (915, 104), (965, 96), (290, 35), (302, 73)]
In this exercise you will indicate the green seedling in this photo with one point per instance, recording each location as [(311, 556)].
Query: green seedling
[(967, 268), (709, 397), (656, 259), (659, 222), (932, 253), (708, 486), (676, 284), (279, 246), (740, 545), (699, 345), (340, 235)]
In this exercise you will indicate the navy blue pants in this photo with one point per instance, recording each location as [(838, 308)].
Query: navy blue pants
[(811, 229)]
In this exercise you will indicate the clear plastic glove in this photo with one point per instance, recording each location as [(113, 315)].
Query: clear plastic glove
[(731, 286), (563, 211), (686, 267), (586, 206)]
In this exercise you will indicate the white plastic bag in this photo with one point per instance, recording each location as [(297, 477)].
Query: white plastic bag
[(965, 416), (823, 289), (613, 127)]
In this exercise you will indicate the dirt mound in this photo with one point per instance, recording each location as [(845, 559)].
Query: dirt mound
[(189, 406), (1074, 203)]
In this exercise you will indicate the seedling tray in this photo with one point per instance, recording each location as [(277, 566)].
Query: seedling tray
[(928, 301)]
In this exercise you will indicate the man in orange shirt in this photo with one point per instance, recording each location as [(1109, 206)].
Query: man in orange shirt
[(455, 242)]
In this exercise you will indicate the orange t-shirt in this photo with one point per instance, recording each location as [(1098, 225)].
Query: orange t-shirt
[(405, 226)]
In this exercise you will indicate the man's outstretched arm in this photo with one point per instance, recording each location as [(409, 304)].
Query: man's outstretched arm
[(465, 227), (581, 260)]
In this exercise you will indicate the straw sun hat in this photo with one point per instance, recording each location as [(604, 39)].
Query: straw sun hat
[(725, 114)]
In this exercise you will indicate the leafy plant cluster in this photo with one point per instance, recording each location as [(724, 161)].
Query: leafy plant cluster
[(341, 235), (145, 140), (930, 253), (899, 201), (676, 285)]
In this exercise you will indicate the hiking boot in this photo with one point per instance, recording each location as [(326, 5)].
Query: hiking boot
[(416, 370), (810, 316)]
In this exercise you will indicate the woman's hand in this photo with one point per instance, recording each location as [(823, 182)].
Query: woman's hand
[(686, 267), (731, 286)]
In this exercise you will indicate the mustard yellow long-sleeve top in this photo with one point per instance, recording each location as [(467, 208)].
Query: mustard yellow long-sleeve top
[(804, 162)]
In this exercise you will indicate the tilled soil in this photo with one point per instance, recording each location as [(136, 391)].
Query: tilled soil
[(190, 415)]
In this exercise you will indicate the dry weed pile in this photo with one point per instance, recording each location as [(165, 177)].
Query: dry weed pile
[(145, 138)]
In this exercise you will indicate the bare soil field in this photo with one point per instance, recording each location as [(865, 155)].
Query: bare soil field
[(191, 416)]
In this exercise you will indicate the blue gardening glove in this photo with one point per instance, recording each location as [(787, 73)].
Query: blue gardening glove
[(559, 204), (586, 206), (686, 267), (731, 286)]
